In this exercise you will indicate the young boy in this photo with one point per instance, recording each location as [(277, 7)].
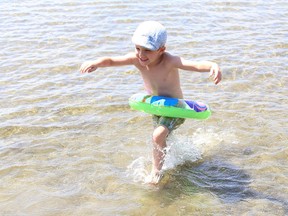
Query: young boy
[(159, 71)]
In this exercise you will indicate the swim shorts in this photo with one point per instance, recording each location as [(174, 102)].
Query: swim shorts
[(170, 123)]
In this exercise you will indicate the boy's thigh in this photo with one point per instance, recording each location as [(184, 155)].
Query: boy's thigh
[(168, 122)]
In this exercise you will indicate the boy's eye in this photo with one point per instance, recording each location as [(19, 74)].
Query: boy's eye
[(143, 50)]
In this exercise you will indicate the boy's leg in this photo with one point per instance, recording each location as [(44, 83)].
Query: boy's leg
[(159, 144), (162, 127)]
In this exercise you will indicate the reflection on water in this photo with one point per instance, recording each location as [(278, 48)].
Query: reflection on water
[(225, 181), (67, 139), (228, 182)]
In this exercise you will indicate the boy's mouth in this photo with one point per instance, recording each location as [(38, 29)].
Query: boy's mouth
[(143, 59)]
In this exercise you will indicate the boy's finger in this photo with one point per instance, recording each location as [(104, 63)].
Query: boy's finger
[(211, 72), (83, 68), (216, 74), (218, 78)]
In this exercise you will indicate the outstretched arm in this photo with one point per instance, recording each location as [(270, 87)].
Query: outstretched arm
[(90, 66), (201, 66)]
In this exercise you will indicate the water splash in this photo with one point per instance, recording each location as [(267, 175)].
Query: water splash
[(138, 170), (180, 149)]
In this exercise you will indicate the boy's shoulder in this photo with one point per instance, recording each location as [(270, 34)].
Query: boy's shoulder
[(132, 58), (170, 58)]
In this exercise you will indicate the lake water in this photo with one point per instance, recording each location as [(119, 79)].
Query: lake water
[(70, 144)]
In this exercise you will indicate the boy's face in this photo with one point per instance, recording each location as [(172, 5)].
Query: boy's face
[(147, 57)]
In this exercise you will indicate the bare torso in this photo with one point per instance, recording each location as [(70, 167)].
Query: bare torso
[(162, 78)]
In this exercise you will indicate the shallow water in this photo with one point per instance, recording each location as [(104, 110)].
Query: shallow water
[(70, 145)]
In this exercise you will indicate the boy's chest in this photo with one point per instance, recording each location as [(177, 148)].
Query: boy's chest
[(159, 76)]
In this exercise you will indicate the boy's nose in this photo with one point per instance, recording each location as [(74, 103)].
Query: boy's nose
[(140, 52)]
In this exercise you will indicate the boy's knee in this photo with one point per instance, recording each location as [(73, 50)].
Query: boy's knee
[(159, 135)]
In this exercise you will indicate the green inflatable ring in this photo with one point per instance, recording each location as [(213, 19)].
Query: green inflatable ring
[(169, 107)]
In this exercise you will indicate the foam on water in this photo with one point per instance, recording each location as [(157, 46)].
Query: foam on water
[(180, 149)]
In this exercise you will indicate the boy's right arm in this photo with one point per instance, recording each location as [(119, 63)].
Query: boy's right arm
[(90, 66)]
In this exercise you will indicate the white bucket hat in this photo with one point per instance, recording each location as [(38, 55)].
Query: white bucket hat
[(150, 34)]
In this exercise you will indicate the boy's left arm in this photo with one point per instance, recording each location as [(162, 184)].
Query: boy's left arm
[(201, 66), (215, 72)]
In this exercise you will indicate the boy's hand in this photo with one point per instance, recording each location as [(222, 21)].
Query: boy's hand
[(88, 67), (215, 71)]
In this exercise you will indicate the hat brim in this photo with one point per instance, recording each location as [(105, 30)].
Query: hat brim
[(143, 42)]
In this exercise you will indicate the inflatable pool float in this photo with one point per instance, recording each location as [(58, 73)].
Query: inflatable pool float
[(169, 107)]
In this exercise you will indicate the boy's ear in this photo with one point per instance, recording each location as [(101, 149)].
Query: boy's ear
[(162, 49)]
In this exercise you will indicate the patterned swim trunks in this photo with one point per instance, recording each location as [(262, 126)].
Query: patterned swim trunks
[(170, 123)]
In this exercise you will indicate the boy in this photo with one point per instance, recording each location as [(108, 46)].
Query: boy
[(159, 71)]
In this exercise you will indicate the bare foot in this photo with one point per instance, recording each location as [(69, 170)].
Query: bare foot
[(154, 178)]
